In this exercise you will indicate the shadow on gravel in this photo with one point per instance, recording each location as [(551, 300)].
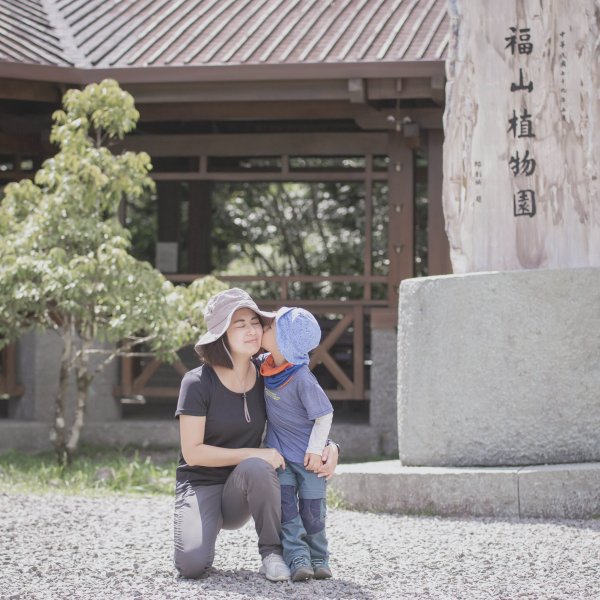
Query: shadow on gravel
[(244, 583)]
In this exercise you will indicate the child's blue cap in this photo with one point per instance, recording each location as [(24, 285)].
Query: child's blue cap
[(297, 333)]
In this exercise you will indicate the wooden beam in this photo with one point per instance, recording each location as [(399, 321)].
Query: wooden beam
[(438, 89), (337, 371), (385, 120), (335, 88), (308, 144), (142, 379), (266, 176), (24, 144), (240, 91), (331, 339), (365, 116), (383, 89), (37, 91), (358, 352), (384, 318), (252, 111), (207, 73), (26, 123)]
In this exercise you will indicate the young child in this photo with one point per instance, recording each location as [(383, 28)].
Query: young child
[(299, 416)]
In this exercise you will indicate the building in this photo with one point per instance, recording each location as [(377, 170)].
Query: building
[(231, 93)]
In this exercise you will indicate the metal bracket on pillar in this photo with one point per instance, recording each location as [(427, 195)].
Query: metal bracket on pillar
[(357, 91), (412, 135)]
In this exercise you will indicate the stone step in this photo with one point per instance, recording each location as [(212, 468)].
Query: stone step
[(570, 491)]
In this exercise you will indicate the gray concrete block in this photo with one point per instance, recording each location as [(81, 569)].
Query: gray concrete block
[(38, 370), (38, 364), (499, 368), (356, 441), (564, 491), (383, 407), (102, 405), (388, 486), (24, 436), (155, 434)]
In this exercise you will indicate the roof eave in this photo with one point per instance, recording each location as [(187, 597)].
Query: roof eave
[(237, 72)]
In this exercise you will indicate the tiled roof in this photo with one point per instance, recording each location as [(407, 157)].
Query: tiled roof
[(27, 34), (142, 33)]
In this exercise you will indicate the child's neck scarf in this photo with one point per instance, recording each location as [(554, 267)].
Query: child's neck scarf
[(277, 376)]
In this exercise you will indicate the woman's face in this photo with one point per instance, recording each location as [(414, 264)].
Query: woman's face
[(245, 332)]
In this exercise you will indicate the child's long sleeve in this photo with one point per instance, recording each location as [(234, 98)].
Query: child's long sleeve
[(319, 434)]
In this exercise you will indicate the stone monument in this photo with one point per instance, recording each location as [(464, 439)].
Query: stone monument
[(499, 364)]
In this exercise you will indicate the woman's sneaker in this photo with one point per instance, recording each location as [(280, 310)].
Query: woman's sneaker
[(274, 568), (321, 570)]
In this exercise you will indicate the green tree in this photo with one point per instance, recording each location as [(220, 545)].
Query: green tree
[(64, 256), (291, 229)]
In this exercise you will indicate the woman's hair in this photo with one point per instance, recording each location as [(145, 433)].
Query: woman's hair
[(217, 353)]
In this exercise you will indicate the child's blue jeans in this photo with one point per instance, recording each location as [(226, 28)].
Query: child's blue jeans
[(303, 512)]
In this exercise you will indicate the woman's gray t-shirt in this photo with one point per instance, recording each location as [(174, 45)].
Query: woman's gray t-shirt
[(203, 395)]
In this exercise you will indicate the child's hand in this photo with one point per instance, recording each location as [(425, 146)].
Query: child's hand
[(312, 462)]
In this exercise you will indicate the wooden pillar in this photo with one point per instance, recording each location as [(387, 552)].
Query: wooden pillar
[(169, 197), (401, 197), (199, 224), (169, 194), (438, 249)]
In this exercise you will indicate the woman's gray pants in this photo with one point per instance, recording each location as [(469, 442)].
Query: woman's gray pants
[(251, 490)]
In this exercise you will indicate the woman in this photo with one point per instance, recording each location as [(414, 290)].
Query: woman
[(223, 476)]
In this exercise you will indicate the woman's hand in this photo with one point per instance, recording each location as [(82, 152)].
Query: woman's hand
[(272, 456), (330, 460)]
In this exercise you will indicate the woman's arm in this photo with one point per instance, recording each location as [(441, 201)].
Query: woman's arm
[(198, 454), (330, 460)]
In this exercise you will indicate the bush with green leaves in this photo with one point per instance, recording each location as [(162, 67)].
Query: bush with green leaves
[(64, 255)]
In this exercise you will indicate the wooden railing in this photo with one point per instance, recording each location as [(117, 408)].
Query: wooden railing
[(284, 282), (349, 384)]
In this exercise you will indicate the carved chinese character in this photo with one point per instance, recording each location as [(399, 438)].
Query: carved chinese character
[(524, 46), (522, 166), (514, 87), (525, 125), (524, 203)]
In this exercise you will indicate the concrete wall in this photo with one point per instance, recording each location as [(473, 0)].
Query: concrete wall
[(499, 368), (383, 407), (38, 368)]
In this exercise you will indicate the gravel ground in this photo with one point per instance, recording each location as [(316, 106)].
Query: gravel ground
[(119, 547)]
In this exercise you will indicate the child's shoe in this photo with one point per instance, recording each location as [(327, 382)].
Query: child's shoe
[(301, 569), (321, 570)]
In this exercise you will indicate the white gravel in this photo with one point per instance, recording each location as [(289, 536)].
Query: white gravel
[(119, 547)]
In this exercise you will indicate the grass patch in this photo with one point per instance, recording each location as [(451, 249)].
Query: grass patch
[(93, 472), (335, 500)]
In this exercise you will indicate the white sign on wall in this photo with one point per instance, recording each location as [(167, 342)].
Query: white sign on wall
[(166, 257)]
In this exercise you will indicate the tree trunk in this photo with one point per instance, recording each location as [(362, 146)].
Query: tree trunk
[(59, 432), (522, 148), (83, 379)]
